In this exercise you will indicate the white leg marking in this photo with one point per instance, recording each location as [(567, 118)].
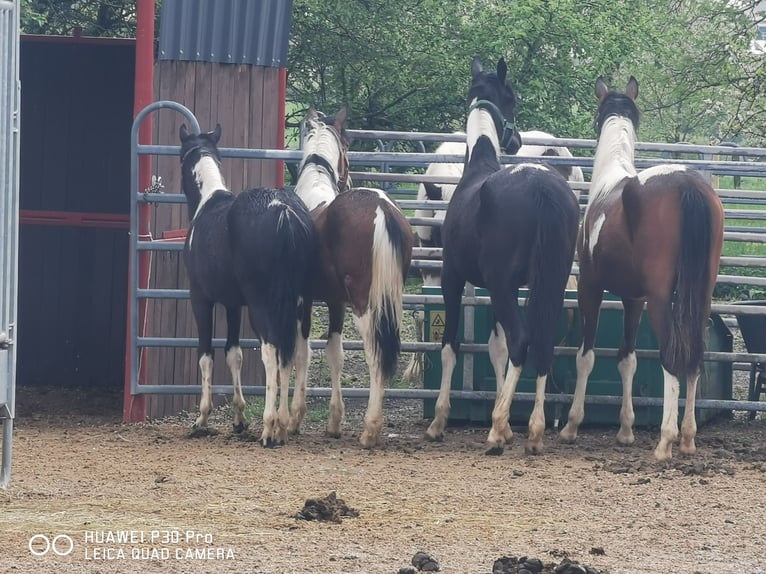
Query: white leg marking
[(537, 419), (283, 414), (577, 410), (496, 438), (334, 352), (270, 365), (689, 422), (498, 357), (669, 429), (302, 357), (373, 419), (234, 362), (627, 369), (206, 400), (441, 412)]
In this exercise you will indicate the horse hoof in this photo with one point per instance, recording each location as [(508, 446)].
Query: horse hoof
[(200, 432), (495, 450), (332, 434), (567, 438), (435, 438), (268, 442), (240, 427), (533, 449)]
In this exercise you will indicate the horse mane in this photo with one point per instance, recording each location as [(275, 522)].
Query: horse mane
[(616, 147)]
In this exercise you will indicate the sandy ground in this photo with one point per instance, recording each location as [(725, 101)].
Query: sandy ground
[(224, 504)]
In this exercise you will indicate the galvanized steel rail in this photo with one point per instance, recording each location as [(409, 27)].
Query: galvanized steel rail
[(430, 258)]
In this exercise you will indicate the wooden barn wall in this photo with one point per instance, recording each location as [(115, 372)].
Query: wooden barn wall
[(244, 100), (77, 110)]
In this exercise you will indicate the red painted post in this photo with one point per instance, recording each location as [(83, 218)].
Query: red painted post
[(281, 125), (134, 407)]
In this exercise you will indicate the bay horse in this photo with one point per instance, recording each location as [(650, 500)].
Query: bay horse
[(654, 236), (365, 251), (505, 228), (256, 249), (430, 236)]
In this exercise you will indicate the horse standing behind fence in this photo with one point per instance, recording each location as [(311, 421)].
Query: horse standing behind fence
[(430, 236), (365, 251), (253, 249), (655, 237), (505, 228)]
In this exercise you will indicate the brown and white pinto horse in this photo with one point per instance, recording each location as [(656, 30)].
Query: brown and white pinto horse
[(654, 237), (365, 251)]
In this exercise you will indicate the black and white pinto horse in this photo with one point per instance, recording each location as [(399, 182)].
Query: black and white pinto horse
[(430, 236), (505, 228), (653, 236), (365, 250), (255, 248)]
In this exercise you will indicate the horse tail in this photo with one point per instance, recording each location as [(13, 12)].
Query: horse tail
[(391, 252), (293, 256), (685, 329), (557, 215)]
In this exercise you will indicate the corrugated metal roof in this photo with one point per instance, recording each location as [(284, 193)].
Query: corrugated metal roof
[(252, 32)]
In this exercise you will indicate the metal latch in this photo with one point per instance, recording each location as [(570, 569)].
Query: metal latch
[(5, 342)]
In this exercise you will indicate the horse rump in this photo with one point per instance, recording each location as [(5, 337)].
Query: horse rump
[(274, 245)]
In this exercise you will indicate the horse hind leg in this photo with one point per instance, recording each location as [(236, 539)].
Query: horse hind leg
[(302, 358), (334, 352), (452, 291), (271, 366), (234, 362), (589, 302), (689, 422), (626, 365), (373, 419), (498, 357), (203, 316)]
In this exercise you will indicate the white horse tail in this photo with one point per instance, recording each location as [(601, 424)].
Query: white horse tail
[(391, 253)]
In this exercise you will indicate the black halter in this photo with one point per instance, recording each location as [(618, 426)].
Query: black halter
[(505, 129), (317, 159)]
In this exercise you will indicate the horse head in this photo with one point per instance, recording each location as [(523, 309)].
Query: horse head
[(613, 103), (326, 144), (490, 91), (194, 149)]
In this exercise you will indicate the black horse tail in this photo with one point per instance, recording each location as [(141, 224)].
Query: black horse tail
[(557, 215), (293, 254), (685, 328), (391, 252)]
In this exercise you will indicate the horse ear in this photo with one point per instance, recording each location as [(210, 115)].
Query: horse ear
[(632, 90), (340, 119), (502, 70), (601, 88), (311, 115), (476, 68), (183, 133), (216, 133)]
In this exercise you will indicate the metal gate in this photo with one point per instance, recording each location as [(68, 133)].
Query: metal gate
[(140, 340), (9, 216)]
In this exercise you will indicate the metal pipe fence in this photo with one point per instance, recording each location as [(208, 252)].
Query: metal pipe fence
[(9, 215), (749, 162)]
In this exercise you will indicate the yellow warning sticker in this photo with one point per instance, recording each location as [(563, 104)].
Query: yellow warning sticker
[(436, 328)]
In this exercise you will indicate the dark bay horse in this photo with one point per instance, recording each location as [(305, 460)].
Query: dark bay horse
[(365, 251), (505, 228), (655, 237), (256, 249)]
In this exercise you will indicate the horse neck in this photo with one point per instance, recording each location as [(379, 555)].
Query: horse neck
[(613, 162), (480, 123), (315, 186), (206, 179)]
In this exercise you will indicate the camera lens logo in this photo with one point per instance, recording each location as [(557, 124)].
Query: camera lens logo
[(60, 545)]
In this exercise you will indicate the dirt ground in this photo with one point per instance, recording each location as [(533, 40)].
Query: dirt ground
[(224, 504)]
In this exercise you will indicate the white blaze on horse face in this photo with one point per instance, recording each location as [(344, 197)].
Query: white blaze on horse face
[(480, 123), (613, 162), (594, 232), (208, 176), (656, 170)]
